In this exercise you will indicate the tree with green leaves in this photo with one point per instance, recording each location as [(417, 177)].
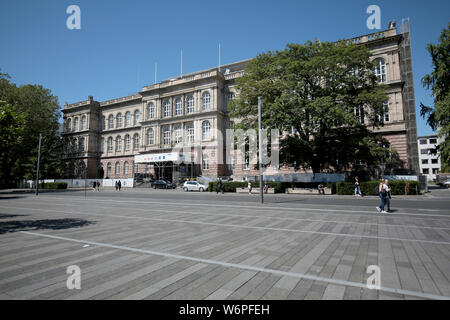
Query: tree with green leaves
[(39, 113), (438, 118), (323, 96)]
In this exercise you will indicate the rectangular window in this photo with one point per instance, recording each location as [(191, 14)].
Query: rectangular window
[(426, 171), (433, 141), (423, 141), (424, 161), (434, 161), (435, 171), (166, 136), (424, 151)]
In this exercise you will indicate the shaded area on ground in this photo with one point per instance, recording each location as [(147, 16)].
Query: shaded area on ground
[(53, 224)]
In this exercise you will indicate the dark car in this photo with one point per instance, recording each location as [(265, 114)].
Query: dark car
[(162, 184)]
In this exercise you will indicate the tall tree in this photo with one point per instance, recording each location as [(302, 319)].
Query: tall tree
[(40, 112), (438, 118), (324, 95)]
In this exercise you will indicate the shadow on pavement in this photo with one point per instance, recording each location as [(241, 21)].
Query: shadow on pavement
[(53, 224), (7, 215), (10, 197)]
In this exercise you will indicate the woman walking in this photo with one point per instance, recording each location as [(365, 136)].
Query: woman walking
[(357, 187), (383, 193)]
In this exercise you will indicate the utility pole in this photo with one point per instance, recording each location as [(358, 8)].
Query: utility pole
[(39, 160), (260, 152)]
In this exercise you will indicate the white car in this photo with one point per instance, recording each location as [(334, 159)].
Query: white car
[(194, 186)]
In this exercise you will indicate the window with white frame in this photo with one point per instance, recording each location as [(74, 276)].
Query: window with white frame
[(111, 122), (136, 141), (151, 111), (380, 69), (205, 162), (190, 104), (384, 117), (166, 108), (359, 114), (178, 133), (206, 130), (119, 120), (108, 169), (69, 125), (119, 143), (128, 119), (137, 117), (150, 136), (83, 123), (166, 135), (178, 107), (206, 101), (190, 132), (110, 144), (117, 168), (126, 168), (75, 124), (127, 142)]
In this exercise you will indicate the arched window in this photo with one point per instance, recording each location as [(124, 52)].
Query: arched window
[(69, 125), (127, 119), (75, 124), (127, 142), (150, 137), (119, 143), (205, 162), (82, 144), (75, 145), (380, 69), (117, 168), (102, 145), (166, 135), (83, 123), (166, 108), (111, 122), (110, 144), (190, 104), (206, 130), (136, 141), (137, 117), (190, 132), (178, 107), (206, 100), (119, 120), (126, 168), (178, 133), (151, 111), (108, 169)]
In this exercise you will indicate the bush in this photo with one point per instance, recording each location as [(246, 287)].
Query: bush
[(53, 185), (368, 187)]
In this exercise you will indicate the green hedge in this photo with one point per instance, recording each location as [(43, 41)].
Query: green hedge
[(368, 187), (279, 187), (53, 185)]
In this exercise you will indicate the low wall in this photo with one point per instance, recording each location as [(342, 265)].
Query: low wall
[(306, 191), (254, 190)]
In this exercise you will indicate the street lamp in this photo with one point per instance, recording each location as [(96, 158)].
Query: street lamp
[(260, 152)]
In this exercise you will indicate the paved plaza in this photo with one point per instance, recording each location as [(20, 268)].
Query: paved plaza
[(167, 244)]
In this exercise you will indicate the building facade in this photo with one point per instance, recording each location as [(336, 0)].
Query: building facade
[(430, 163), (153, 131)]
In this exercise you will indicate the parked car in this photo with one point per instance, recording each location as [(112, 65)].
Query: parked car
[(446, 183), (162, 184), (194, 186)]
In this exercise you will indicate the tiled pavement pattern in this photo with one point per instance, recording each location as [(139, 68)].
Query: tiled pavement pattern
[(145, 248)]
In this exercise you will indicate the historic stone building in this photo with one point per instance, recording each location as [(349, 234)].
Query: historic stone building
[(137, 134)]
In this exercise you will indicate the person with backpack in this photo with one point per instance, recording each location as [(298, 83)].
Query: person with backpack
[(383, 191)]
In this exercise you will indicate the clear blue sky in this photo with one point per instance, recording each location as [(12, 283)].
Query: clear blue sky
[(114, 53)]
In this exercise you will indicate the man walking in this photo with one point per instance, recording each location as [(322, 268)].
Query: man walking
[(119, 184), (219, 186), (249, 186), (383, 193)]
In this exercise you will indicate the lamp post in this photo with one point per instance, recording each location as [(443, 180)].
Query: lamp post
[(38, 163), (260, 152)]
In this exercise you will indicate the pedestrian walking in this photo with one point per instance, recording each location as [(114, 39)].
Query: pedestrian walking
[(266, 188), (219, 186), (119, 184), (357, 187), (321, 189), (383, 190), (388, 195), (98, 186), (249, 186), (94, 185)]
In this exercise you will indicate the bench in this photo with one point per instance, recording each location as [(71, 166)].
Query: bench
[(254, 190), (306, 191)]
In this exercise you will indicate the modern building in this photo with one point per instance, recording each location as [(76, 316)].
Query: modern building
[(430, 162), (137, 134)]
